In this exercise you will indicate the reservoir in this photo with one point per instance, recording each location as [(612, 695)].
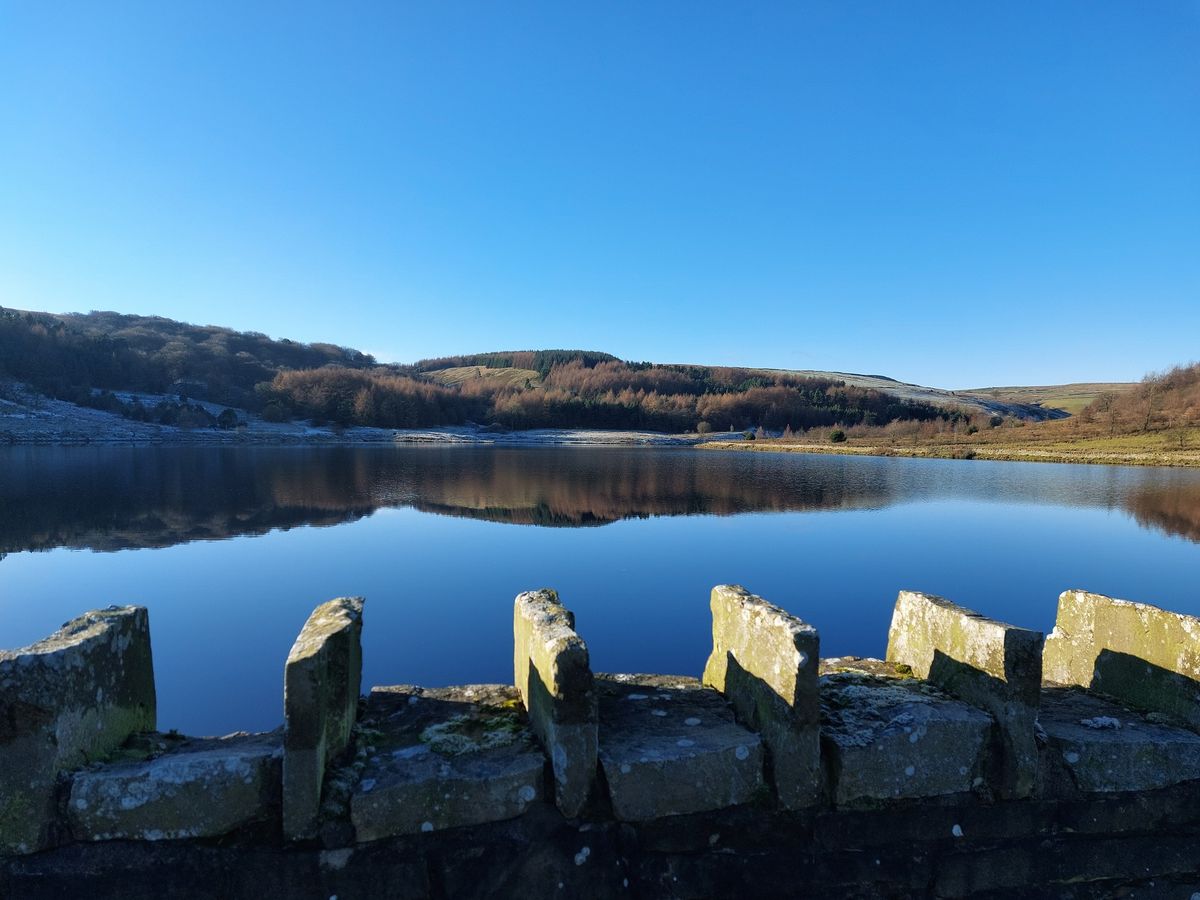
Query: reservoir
[(230, 549)]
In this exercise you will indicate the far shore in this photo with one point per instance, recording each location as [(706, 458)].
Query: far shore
[(1084, 452), (311, 436), (303, 435), (37, 421)]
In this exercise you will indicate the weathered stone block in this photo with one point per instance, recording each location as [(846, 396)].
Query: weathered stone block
[(991, 665), (670, 746), (1105, 748), (321, 684), (198, 788), (443, 758), (554, 676), (764, 661), (1139, 654), (894, 738), (65, 701)]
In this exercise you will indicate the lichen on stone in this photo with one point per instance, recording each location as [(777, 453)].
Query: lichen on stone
[(490, 727)]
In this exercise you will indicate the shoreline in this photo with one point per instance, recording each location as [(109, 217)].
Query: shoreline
[(1083, 456), (30, 420), (307, 436), (40, 422)]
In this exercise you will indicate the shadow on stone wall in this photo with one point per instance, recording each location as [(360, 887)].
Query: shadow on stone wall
[(1145, 685)]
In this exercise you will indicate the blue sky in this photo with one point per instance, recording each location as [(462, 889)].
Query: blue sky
[(955, 193)]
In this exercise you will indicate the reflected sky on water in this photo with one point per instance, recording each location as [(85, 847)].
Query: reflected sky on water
[(231, 548)]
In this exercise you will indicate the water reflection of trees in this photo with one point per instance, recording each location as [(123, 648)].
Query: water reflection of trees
[(110, 499), (1172, 509)]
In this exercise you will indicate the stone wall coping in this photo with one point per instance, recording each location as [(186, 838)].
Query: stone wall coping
[(327, 619), (87, 625)]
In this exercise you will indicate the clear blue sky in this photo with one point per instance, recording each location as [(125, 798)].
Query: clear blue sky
[(956, 193)]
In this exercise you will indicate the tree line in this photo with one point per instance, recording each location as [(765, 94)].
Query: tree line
[(85, 357), (70, 356), (1163, 400), (605, 394)]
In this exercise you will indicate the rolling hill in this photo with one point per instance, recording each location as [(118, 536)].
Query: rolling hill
[(99, 359)]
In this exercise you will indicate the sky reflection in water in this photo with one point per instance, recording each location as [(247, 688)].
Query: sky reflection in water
[(439, 540)]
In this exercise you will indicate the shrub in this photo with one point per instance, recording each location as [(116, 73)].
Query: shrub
[(274, 412), (837, 436)]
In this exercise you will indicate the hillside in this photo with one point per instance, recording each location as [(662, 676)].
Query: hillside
[(571, 389), (69, 356), (985, 402), (165, 373), (1067, 398), (1159, 402), (1155, 422), (504, 377)]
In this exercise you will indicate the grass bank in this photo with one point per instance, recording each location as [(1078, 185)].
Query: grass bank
[(1044, 442)]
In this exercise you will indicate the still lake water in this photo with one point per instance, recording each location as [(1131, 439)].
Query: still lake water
[(232, 548)]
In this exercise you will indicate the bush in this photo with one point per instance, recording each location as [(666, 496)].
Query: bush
[(274, 412), (748, 435), (704, 428), (837, 436), (972, 430)]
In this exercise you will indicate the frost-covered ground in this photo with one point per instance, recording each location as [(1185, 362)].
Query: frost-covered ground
[(27, 418)]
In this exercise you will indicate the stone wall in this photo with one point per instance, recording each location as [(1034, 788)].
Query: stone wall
[(1138, 653), (777, 773), (321, 684), (765, 663), (64, 702), (991, 665), (552, 671)]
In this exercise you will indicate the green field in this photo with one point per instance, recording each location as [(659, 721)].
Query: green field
[(1059, 441), (501, 377), (1071, 398)]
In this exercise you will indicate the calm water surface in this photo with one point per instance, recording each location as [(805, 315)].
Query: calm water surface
[(231, 548)]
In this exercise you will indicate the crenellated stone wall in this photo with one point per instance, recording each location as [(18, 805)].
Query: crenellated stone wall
[(951, 768), (65, 701)]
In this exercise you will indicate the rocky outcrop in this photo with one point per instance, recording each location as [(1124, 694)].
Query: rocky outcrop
[(64, 702), (322, 679), (552, 671), (765, 662)]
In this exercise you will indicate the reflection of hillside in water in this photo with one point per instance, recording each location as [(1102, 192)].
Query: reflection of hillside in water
[(110, 499), (571, 489), (1170, 509), (106, 499)]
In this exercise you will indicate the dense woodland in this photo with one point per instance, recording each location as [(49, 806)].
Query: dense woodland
[(572, 394), (83, 358), (69, 356)]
